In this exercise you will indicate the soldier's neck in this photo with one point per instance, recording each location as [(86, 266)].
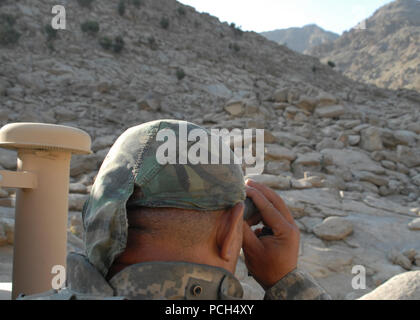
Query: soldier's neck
[(168, 253)]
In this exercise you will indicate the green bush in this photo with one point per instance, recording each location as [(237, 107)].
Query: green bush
[(181, 11), (8, 35), (151, 40), (237, 30), (50, 45), (331, 64), (51, 32), (152, 43), (164, 23), (85, 3), (121, 7), (7, 19), (118, 44), (105, 43), (136, 3), (180, 74), (235, 47), (91, 27)]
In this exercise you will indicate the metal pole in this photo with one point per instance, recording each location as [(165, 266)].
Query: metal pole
[(40, 221), (42, 182)]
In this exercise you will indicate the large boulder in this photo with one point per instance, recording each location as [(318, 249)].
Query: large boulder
[(405, 286), (371, 139), (273, 151), (330, 111), (272, 181), (415, 224), (353, 160), (333, 228), (408, 156)]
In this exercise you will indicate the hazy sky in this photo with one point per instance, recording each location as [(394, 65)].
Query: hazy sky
[(267, 15)]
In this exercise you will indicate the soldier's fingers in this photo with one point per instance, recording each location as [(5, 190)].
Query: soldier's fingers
[(270, 215), (250, 242), (271, 195)]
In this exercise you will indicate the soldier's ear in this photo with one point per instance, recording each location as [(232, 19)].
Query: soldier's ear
[(229, 232)]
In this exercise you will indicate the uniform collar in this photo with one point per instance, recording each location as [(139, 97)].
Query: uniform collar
[(175, 281)]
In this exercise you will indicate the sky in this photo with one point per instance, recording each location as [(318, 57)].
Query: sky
[(268, 15)]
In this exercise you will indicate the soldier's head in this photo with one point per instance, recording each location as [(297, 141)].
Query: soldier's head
[(153, 201)]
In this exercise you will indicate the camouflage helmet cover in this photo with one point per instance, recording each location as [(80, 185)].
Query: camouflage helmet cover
[(132, 162)]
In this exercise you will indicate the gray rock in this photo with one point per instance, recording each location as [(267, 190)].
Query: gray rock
[(4, 115), (276, 152), (63, 114), (354, 140), (315, 181), (310, 222), (373, 178), (328, 143), (288, 138), (325, 99), (334, 228), (399, 259), (389, 165), (76, 201), (150, 102), (309, 159), (7, 231), (410, 254), (353, 160), (409, 157), (405, 286), (307, 103), (76, 225), (103, 142), (83, 164), (415, 127), (405, 137), (371, 139), (277, 167), (415, 224), (330, 111), (301, 184), (8, 159), (218, 90), (235, 109), (77, 188), (272, 181), (280, 95), (416, 180)]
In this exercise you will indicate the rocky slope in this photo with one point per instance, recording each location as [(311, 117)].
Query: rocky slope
[(344, 155), (301, 39), (386, 53)]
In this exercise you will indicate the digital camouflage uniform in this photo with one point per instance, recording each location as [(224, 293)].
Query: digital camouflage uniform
[(130, 163)]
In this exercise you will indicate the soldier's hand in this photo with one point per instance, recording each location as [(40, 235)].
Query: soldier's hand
[(270, 258)]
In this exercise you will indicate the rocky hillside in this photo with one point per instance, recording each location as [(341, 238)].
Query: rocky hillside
[(344, 155), (301, 39), (386, 53)]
